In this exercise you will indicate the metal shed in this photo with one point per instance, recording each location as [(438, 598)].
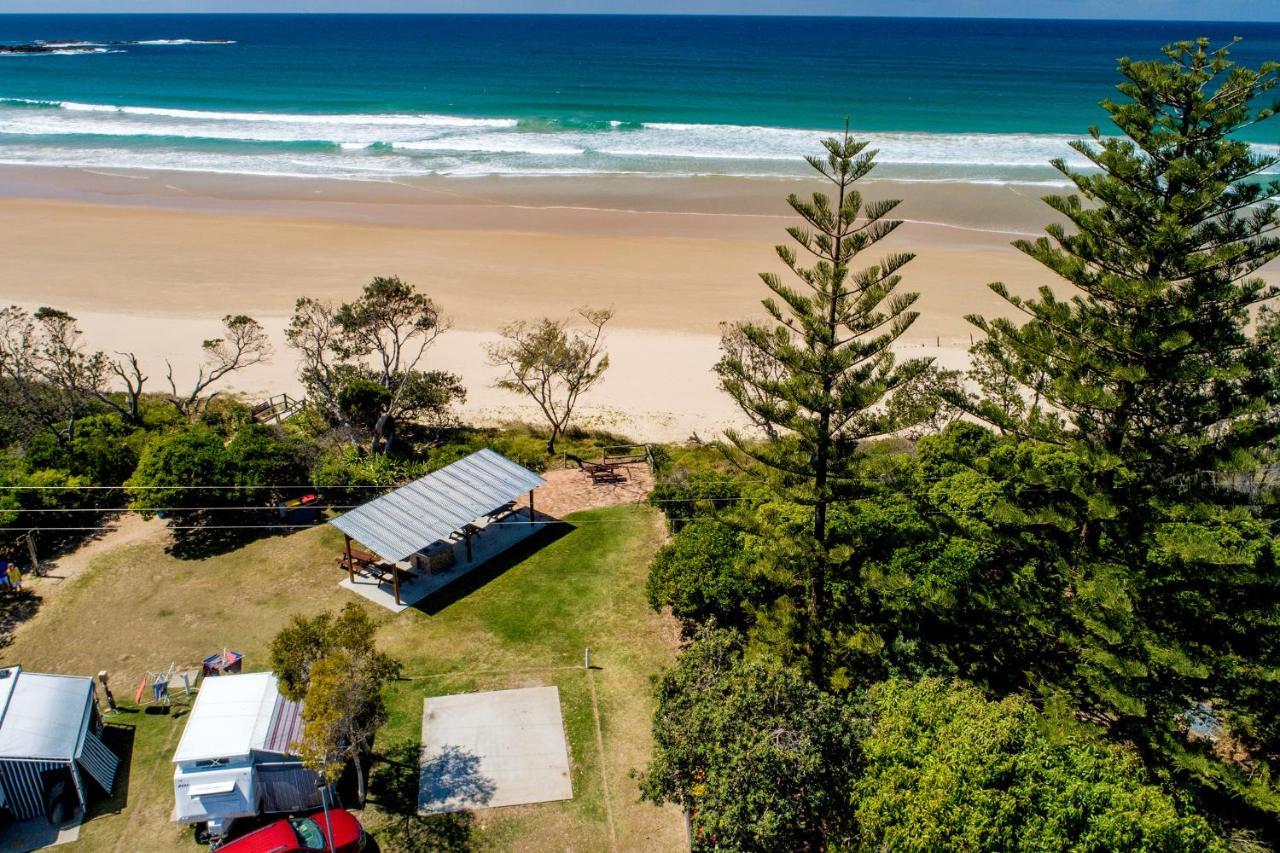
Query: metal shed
[(49, 725), (443, 506)]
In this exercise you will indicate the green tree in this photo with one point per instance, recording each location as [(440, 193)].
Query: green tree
[(47, 374), (331, 665), (703, 574), (1153, 385), (757, 756), (260, 459), (105, 449), (943, 768), (817, 375), (552, 364), (172, 462), (391, 324)]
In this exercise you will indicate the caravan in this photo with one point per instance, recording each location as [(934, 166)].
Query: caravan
[(235, 757)]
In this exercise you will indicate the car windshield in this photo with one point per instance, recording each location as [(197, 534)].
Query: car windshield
[(309, 834)]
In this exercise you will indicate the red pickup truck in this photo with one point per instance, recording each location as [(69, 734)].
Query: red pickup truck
[(303, 834)]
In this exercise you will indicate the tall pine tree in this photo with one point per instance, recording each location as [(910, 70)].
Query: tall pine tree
[(1151, 375), (816, 377)]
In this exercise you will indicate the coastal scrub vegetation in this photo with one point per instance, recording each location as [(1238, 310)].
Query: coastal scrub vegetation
[(1049, 621), (86, 436)]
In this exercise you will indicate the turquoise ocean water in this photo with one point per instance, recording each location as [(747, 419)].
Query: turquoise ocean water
[(379, 97)]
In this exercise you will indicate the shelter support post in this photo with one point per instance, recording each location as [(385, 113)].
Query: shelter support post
[(532, 517), (466, 538), (395, 581), (351, 566), (80, 792)]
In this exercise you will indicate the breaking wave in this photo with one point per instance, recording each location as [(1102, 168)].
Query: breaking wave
[(48, 132)]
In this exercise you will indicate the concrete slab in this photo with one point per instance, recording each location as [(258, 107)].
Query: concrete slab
[(501, 748), (492, 541), (38, 834)]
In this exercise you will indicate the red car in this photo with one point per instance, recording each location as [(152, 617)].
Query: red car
[(302, 834)]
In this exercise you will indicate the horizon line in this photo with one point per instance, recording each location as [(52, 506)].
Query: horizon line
[(556, 14)]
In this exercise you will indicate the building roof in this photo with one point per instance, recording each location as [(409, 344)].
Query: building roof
[(43, 716), (431, 508), (236, 714)]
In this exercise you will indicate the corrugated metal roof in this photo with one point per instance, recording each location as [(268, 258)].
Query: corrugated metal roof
[(46, 716), (286, 727), (431, 508), (100, 762)]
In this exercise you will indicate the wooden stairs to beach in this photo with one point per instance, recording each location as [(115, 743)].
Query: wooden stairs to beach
[(278, 409)]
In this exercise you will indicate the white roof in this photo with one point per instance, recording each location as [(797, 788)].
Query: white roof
[(431, 508), (231, 717), (43, 716)]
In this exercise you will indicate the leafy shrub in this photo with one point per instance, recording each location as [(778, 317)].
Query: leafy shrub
[(700, 575)]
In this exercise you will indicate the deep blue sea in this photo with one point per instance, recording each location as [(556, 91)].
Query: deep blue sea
[(380, 97)]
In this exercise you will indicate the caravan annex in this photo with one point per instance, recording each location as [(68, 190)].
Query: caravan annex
[(50, 743), (234, 759)]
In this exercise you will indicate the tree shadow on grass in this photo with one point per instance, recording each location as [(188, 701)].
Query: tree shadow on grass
[(493, 568), (15, 608), (393, 787), (200, 535)]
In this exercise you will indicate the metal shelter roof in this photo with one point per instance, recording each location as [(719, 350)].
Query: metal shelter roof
[(44, 716), (431, 508)]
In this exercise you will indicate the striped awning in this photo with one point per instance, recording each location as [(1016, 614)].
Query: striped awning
[(98, 761), (432, 508)]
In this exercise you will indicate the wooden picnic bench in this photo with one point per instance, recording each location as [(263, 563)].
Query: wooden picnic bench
[(360, 559), (601, 473)]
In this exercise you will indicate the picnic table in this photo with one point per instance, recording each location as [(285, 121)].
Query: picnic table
[(360, 558), (601, 473)]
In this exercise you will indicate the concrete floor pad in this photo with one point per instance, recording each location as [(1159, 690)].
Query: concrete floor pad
[(501, 748)]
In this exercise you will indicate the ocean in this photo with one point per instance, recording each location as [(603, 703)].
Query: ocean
[(385, 97)]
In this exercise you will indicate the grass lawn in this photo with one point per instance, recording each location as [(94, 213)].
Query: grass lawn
[(524, 622)]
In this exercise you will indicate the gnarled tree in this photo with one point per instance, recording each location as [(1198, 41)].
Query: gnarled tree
[(243, 344), (47, 374), (360, 360), (552, 363)]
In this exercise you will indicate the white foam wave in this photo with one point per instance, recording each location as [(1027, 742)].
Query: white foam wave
[(182, 41), (327, 119), (408, 144), (515, 143)]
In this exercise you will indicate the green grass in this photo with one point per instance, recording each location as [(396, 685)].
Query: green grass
[(524, 623)]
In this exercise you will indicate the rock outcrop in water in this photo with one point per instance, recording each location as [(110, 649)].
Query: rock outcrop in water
[(95, 46), (49, 47)]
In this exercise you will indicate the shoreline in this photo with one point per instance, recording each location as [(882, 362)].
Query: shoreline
[(150, 263)]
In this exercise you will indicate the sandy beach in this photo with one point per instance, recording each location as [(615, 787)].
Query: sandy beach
[(149, 262)]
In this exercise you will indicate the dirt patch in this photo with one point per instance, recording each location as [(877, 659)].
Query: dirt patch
[(123, 530)]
